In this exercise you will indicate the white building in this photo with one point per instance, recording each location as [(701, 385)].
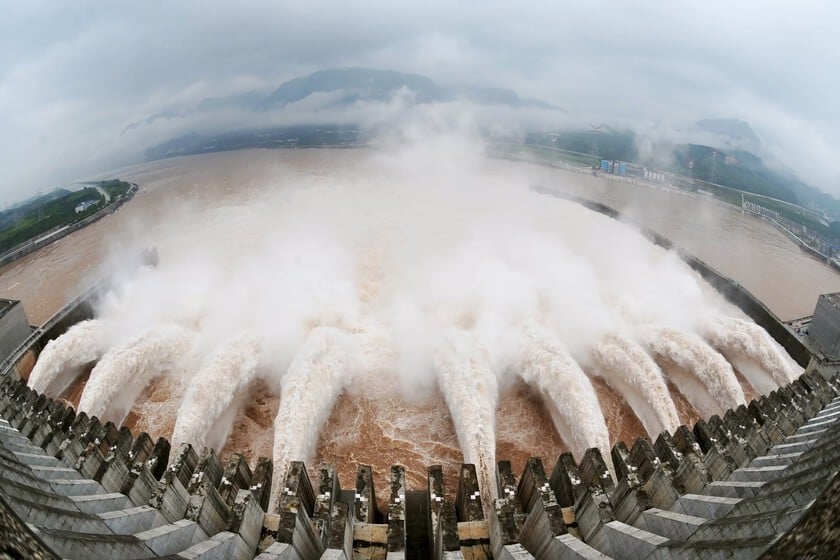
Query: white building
[(84, 205)]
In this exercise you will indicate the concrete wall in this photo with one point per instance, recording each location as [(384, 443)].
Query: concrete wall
[(728, 487), (79, 309), (825, 327), (14, 327)]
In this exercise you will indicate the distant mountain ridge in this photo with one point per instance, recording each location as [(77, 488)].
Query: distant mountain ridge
[(353, 85), (734, 132), (359, 83)]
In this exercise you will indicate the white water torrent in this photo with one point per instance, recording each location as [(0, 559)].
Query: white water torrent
[(393, 248), (739, 338), (207, 411), (123, 372), (628, 369), (471, 392), (713, 377), (566, 392), (63, 359), (319, 371)]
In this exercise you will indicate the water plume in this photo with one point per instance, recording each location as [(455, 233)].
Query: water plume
[(63, 358), (628, 369), (471, 392), (738, 338), (353, 267), (124, 371), (318, 372), (207, 411), (566, 391), (714, 378)]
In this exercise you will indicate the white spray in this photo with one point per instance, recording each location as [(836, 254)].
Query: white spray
[(471, 392), (566, 391), (319, 371), (215, 390), (123, 373), (62, 360), (628, 369), (742, 338), (691, 353)]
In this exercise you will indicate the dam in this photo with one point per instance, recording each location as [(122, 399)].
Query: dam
[(740, 484)]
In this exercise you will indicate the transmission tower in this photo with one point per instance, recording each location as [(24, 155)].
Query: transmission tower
[(713, 172), (595, 157), (554, 138)]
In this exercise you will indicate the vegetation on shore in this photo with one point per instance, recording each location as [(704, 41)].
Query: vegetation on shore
[(40, 215)]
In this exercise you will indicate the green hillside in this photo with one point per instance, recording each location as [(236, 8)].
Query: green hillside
[(39, 215)]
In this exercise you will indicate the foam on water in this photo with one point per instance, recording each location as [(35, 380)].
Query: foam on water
[(742, 338), (626, 367), (714, 375), (471, 392), (213, 391), (566, 391), (316, 376), (124, 371)]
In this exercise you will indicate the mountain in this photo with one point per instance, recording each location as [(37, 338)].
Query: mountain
[(734, 133), (349, 86), (357, 84)]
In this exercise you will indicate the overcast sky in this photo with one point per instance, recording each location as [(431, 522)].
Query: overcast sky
[(74, 74)]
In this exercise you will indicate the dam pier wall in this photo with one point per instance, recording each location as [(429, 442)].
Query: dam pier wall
[(733, 486)]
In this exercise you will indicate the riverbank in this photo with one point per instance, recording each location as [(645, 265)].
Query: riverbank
[(54, 235)]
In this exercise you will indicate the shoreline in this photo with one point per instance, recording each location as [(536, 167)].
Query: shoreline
[(43, 240)]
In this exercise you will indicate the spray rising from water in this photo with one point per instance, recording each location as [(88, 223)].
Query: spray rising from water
[(207, 411), (415, 241), (471, 392), (566, 391), (318, 373), (632, 372), (123, 373), (714, 376), (734, 337), (63, 359)]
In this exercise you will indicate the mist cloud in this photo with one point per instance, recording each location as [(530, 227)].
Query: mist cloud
[(73, 77)]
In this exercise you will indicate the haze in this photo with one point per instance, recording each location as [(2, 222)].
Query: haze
[(73, 76)]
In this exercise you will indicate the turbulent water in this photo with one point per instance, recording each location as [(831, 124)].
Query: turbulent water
[(633, 373), (743, 340), (472, 395), (313, 381), (714, 387), (407, 307), (63, 358), (207, 411), (125, 370), (566, 392)]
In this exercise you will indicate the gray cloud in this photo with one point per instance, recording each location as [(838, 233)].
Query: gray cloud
[(74, 75)]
